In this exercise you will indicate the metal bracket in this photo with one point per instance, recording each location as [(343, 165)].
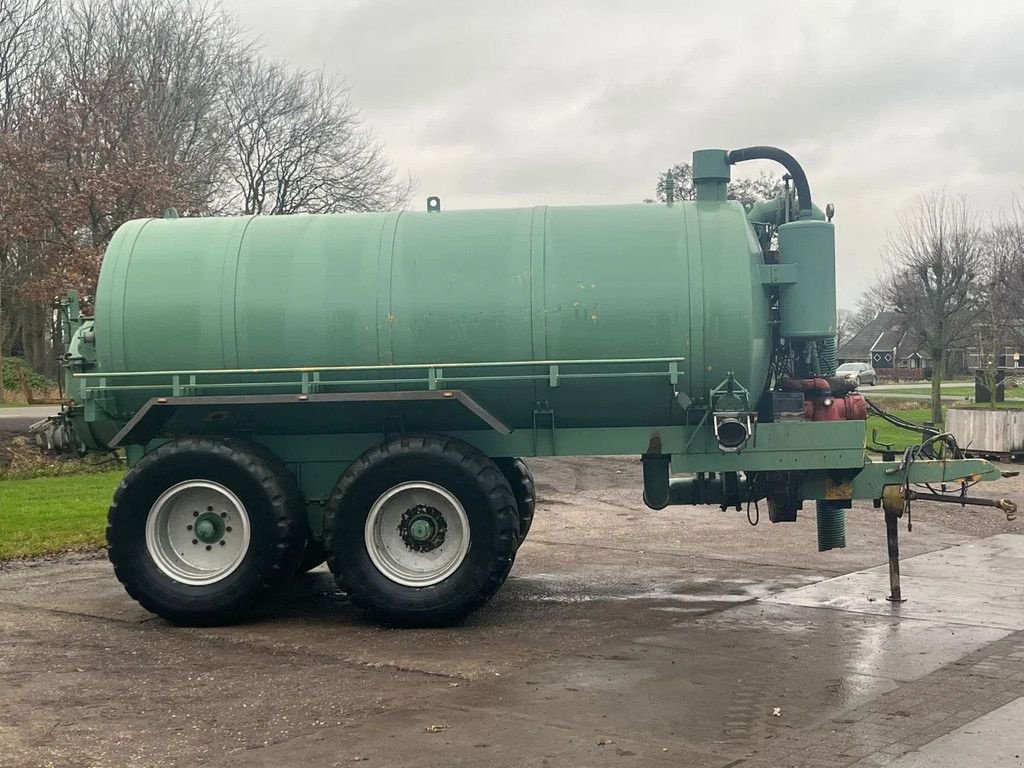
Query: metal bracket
[(310, 384), (152, 416), (777, 274), (893, 502), (544, 436)]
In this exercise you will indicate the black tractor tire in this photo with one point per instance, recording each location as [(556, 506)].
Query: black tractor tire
[(272, 502), (520, 480), (314, 556), (479, 487)]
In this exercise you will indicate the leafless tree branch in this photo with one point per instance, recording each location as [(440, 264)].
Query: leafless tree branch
[(934, 260), (299, 145)]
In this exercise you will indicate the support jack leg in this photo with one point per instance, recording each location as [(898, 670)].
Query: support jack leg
[(892, 540)]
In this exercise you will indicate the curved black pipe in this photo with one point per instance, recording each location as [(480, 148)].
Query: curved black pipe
[(783, 158)]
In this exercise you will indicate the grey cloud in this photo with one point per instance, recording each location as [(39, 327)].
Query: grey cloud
[(521, 103)]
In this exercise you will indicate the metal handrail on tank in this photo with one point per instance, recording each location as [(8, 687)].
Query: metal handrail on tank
[(434, 377)]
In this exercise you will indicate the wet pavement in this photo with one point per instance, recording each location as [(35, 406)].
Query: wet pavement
[(623, 637), (995, 737)]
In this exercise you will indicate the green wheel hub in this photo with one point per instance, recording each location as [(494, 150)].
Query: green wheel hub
[(421, 529), (209, 528)]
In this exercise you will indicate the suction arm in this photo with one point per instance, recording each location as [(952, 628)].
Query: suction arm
[(786, 160)]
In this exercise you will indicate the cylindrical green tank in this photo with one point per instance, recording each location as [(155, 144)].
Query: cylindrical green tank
[(546, 283), (809, 303)]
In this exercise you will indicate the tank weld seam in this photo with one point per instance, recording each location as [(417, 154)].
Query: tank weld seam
[(391, 290), (234, 285)]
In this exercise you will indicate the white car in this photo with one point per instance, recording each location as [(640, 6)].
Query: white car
[(862, 373)]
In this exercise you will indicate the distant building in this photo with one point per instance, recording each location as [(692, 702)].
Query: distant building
[(884, 343), (1011, 358)]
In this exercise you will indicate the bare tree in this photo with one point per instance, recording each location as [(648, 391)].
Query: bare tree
[(681, 178), (111, 111), (869, 304), (751, 190), (998, 324), (299, 145), (745, 190), (844, 326), (170, 64), (125, 127), (934, 258), (24, 47), (117, 109)]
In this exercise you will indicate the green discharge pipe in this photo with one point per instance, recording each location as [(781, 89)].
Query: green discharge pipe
[(831, 516)]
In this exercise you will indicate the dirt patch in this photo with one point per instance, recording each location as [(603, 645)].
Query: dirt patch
[(21, 458)]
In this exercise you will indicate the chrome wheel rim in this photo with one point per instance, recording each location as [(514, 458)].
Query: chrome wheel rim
[(417, 534), (197, 532)]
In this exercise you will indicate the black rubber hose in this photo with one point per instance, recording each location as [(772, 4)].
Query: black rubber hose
[(783, 158)]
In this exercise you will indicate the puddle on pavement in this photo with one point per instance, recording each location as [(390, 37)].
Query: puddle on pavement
[(690, 596)]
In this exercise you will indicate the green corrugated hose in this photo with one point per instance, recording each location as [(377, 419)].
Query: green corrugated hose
[(827, 357), (831, 525)]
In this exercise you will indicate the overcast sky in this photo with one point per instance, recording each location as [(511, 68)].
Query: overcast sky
[(528, 103)]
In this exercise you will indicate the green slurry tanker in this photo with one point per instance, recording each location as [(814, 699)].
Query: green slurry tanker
[(362, 388)]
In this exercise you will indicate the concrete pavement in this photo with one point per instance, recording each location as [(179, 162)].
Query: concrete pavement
[(994, 737), (623, 637)]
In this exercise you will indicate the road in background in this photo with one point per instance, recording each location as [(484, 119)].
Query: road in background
[(17, 419)]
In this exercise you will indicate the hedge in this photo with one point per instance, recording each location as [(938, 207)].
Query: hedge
[(10, 379)]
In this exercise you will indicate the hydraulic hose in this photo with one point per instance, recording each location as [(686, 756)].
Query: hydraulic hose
[(787, 161)]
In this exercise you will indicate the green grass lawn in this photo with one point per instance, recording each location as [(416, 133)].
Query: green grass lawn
[(1012, 406), (924, 394), (900, 438), (969, 391), (54, 514)]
